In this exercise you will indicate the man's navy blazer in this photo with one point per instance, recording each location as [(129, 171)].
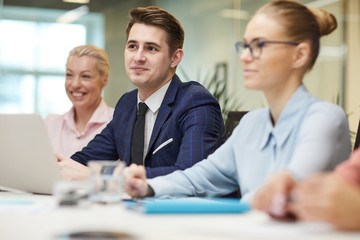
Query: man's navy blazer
[(189, 126)]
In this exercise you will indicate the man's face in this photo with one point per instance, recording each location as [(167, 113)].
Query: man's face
[(147, 60)]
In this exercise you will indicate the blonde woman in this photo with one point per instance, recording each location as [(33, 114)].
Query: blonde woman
[(87, 72)]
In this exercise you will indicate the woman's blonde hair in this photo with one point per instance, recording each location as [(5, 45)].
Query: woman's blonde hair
[(96, 52), (302, 23)]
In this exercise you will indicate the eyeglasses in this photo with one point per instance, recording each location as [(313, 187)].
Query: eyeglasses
[(256, 46)]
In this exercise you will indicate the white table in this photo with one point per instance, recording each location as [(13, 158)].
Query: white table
[(42, 219)]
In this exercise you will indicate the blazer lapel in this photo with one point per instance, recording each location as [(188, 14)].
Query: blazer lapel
[(129, 130), (164, 110)]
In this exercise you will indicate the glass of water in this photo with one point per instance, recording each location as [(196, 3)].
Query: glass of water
[(106, 181)]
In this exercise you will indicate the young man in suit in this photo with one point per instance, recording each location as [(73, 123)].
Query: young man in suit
[(183, 122)]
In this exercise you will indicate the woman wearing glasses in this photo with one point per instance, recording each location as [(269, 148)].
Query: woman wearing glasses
[(298, 133)]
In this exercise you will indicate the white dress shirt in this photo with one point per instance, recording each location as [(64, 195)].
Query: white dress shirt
[(154, 103)]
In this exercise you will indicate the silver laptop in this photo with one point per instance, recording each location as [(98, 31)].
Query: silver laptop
[(27, 160)]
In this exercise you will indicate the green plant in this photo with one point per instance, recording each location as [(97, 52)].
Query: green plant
[(216, 82)]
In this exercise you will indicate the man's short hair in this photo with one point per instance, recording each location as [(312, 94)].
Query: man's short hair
[(158, 17)]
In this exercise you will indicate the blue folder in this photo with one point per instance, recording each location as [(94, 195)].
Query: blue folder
[(189, 206)]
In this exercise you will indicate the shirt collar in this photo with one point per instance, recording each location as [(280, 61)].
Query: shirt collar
[(155, 100), (285, 125), (99, 116), (69, 119)]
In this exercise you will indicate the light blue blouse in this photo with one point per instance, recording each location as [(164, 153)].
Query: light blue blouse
[(310, 136)]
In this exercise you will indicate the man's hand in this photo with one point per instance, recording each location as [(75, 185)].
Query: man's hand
[(70, 169), (273, 197), (135, 181)]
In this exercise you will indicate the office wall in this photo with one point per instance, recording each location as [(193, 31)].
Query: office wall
[(209, 39), (352, 96)]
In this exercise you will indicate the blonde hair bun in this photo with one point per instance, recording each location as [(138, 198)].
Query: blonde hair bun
[(326, 21)]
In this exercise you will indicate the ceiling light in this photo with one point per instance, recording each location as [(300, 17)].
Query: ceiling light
[(77, 1), (233, 13), (73, 15), (320, 3)]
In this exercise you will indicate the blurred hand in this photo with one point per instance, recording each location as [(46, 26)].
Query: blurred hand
[(135, 181), (273, 197), (328, 198), (70, 169)]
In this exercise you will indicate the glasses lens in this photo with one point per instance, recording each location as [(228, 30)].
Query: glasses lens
[(240, 47), (256, 48)]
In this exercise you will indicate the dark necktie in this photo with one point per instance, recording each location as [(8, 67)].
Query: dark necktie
[(137, 146)]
